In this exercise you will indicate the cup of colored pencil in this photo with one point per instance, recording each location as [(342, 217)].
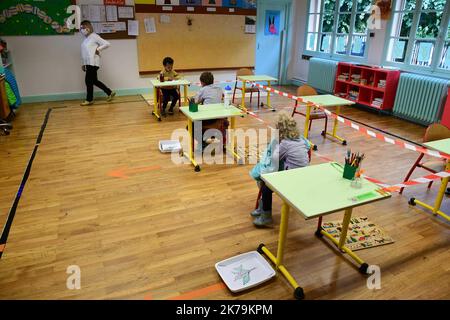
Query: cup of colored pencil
[(193, 107), (352, 164)]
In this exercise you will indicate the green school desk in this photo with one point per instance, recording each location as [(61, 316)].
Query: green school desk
[(256, 78), (325, 100), (315, 191), (211, 112), (442, 146), (157, 84)]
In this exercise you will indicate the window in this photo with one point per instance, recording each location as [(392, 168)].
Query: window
[(338, 27), (419, 36)]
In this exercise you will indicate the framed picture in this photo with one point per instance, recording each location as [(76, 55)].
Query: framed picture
[(272, 23)]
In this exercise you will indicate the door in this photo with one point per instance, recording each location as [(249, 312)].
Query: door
[(271, 37)]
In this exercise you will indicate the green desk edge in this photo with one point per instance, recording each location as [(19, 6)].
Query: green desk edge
[(440, 145), (327, 100), (320, 189), (211, 111), (261, 77), (181, 82)]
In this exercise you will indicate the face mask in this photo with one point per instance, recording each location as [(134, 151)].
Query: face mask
[(84, 32)]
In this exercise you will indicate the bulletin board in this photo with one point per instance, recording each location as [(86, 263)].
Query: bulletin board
[(212, 42), (103, 25), (30, 17)]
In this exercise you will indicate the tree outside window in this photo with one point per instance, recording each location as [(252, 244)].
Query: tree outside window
[(419, 35), (338, 27)]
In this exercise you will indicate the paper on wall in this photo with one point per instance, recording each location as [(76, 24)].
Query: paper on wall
[(107, 27), (126, 12), (121, 26), (164, 18), (250, 28), (111, 13), (97, 13), (85, 13), (150, 26), (133, 27)]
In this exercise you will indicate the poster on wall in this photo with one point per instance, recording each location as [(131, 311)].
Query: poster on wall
[(114, 2), (212, 3), (272, 23), (250, 24), (191, 2), (233, 3), (249, 4), (168, 2), (33, 17)]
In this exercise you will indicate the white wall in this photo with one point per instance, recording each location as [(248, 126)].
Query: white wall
[(51, 65), (299, 68)]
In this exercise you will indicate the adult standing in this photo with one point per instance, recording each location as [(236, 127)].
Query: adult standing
[(91, 47)]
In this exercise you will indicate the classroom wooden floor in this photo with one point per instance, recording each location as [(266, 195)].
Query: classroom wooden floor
[(158, 233)]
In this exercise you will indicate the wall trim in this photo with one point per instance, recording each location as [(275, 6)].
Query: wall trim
[(80, 95), (120, 92)]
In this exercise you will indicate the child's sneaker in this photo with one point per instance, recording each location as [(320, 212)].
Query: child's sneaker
[(257, 212), (86, 103), (170, 111), (111, 96), (264, 219)]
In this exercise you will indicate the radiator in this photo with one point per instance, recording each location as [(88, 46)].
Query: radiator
[(420, 98), (322, 74)]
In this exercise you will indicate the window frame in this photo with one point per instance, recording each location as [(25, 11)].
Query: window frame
[(439, 41), (332, 54)]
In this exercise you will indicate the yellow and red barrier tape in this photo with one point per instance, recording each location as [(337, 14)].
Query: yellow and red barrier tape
[(357, 127)]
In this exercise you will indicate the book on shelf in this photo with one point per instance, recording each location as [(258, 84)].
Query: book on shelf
[(382, 84), (377, 102), (353, 94), (356, 78), (343, 76)]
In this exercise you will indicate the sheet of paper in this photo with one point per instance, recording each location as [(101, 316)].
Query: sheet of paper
[(150, 26), (85, 15), (133, 27), (126, 12), (107, 27), (97, 13), (111, 13), (164, 18), (121, 26), (250, 28)]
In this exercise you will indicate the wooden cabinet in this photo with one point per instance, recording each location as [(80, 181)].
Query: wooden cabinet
[(371, 86), (5, 111)]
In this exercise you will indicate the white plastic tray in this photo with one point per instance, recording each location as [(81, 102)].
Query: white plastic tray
[(244, 271), (168, 146)]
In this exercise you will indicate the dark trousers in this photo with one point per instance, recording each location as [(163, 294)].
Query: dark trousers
[(266, 196), (91, 81), (169, 95)]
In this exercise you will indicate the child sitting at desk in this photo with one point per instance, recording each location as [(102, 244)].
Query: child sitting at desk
[(289, 153), (169, 93), (211, 94)]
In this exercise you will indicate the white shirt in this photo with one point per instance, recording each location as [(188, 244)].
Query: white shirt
[(90, 44), (209, 94)]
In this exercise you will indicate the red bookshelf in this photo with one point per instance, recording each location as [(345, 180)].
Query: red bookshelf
[(446, 114), (371, 86)]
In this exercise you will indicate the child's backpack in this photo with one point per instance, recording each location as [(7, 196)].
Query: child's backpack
[(265, 164)]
